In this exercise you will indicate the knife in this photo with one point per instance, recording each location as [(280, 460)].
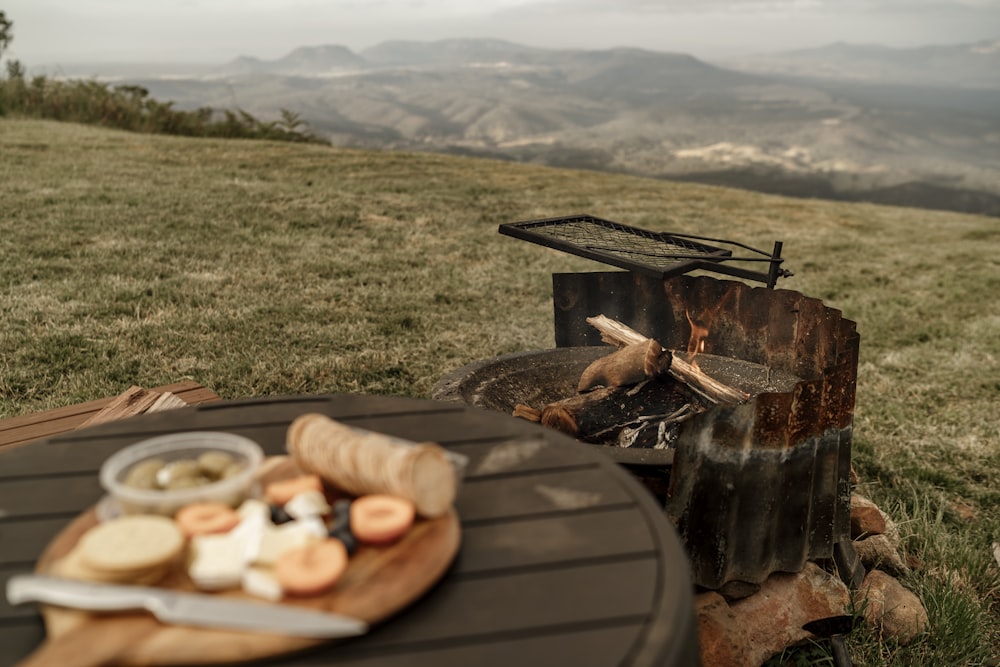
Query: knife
[(177, 608)]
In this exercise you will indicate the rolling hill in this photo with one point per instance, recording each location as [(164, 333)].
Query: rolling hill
[(890, 136)]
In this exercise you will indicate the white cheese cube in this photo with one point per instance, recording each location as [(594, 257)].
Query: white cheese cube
[(217, 561), (254, 507), (306, 504), (276, 540), (250, 530), (262, 583)]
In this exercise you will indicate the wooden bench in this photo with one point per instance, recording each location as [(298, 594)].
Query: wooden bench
[(26, 428)]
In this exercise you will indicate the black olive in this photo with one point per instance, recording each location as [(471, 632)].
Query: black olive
[(345, 536), (341, 515), (279, 515)]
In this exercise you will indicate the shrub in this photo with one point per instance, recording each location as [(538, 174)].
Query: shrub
[(131, 108)]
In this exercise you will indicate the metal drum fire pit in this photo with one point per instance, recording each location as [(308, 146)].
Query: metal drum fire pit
[(754, 488)]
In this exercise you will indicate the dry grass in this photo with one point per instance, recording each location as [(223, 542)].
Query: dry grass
[(267, 268)]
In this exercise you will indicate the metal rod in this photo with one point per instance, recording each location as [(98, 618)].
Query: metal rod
[(772, 274)]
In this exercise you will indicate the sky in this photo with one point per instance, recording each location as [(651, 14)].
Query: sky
[(216, 31)]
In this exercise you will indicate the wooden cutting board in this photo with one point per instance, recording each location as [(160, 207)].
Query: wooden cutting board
[(379, 582)]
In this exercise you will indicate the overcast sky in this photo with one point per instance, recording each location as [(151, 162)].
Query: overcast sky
[(216, 31)]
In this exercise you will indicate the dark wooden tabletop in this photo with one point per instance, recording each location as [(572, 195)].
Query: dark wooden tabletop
[(565, 559)]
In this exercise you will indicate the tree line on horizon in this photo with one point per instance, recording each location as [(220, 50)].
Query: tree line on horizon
[(130, 107)]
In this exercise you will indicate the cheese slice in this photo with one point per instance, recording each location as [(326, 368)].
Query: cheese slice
[(307, 504), (262, 583), (217, 561), (274, 541)]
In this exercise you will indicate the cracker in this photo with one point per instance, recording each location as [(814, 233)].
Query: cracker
[(72, 566), (131, 544), (361, 462)]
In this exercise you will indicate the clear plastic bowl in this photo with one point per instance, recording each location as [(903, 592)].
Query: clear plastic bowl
[(174, 447)]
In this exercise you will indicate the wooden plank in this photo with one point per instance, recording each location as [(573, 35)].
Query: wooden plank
[(542, 493), (167, 401), (536, 601), (25, 540), (533, 604), (536, 541), (83, 452), (192, 393), (19, 639), (579, 647), (133, 401), (583, 646), (478, 499), (67, 411), (20, 499), (67, 454), (30, 427), (518, 543), (525, 453), (234, 415), (402, 417)]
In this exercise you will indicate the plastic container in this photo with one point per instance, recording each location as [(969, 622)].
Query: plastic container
[(176, 447)]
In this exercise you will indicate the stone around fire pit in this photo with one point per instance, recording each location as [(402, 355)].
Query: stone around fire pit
[(748, 632)]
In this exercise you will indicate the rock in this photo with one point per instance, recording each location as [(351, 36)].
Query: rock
[(866, 518), (751, 630), (723, 642), (891, 530), (892, 609), (877, 552)]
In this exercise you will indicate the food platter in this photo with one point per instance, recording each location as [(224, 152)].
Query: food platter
[(379, 581)]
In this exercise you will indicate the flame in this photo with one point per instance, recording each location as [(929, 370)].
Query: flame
[(696, 343)]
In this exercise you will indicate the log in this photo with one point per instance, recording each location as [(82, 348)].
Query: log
[(630, 365), (527, 412), (599, 415), (616, 333), (133, 401)]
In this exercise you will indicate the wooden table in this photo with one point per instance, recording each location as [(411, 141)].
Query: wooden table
[(565, 559)]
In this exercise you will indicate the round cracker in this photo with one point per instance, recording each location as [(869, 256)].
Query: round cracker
[(131, 544), (72, 566)]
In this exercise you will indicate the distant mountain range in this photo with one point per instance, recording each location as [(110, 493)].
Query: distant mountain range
[(968, 65), (901, 126)]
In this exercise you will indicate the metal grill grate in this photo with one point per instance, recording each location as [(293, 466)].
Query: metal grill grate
[(660, 254)]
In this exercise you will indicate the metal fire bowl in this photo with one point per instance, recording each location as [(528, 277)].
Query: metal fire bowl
[(539, 377), (534, 378)]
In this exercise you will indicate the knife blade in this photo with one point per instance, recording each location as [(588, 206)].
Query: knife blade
[(181, 608)]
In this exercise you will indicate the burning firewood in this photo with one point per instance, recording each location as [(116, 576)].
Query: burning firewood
[(616, 333), (633, 397), (630, 365), (601, 415)]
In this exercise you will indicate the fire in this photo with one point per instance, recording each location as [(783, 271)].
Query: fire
[(696, 343)]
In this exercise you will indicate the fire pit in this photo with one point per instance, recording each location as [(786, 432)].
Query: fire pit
[(753, 488)]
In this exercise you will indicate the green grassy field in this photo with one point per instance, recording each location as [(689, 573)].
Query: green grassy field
[(263, 268)]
